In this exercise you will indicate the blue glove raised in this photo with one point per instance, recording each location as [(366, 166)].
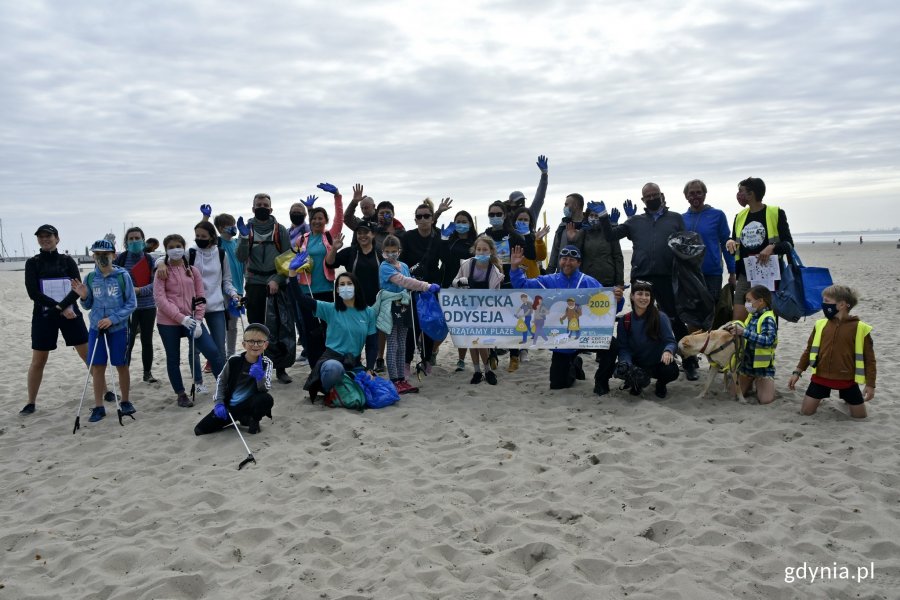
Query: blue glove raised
[(310, 200), (206, 209), (448, 230), (614, 215), (327, 187), (630, 208), (221, 412), (434, 288), (258, 370), (243, 229), (598, 208), (299, 260), (542, 163)]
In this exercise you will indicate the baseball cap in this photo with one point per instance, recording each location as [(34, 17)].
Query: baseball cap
[(47, 229), (370, 225), (516, 196), (102, 246)]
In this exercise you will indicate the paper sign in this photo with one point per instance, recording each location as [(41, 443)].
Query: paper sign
[(57, 287), (762, 272)]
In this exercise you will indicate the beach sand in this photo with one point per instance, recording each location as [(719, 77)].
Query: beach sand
[(461, 491)]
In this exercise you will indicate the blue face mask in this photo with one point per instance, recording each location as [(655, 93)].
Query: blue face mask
[(482, 258), (136, 246), (462, 228), (496, 221), (567, 212), (522, 227)]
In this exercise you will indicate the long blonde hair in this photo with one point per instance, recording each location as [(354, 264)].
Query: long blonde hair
[(495, 260)]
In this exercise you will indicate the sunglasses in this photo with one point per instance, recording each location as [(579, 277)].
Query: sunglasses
[(421, 217), (500, 214), (570, 253)]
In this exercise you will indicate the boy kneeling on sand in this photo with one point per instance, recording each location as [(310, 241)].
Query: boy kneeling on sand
[(841, 353), (242, 388)]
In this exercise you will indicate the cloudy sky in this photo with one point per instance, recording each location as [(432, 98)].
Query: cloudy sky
[(137, 112)]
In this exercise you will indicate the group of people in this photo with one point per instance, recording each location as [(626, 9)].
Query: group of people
[(351, 306)]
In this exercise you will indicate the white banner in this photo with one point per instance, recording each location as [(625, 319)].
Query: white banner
[(580, 319)]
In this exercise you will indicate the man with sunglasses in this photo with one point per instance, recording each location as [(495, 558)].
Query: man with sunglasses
[(652, 259), (565, 364)]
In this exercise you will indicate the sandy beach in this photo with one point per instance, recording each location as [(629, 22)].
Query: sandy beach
[(461, 491)]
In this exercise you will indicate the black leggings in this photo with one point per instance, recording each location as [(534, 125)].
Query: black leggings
[(254, 408), (314, 330), (142, 321), (427, 342), (255, 295)]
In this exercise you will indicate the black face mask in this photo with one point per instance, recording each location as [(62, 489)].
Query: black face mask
[(298, 218), (653, 204), (829, 309), (262, 213), (202, 243)]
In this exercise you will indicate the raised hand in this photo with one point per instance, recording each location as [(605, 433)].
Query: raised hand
[(630, 208), (448, 230), (243, 229), (516, 256), (614, 215), (444, 205), (220, 411), (258, 369), (571, 231), (79, 288), (338, 242), (310, 200), (358, 192), (543, 163), (598, 208), (540, 233), (327, 187), (299, 260), (206, 210)]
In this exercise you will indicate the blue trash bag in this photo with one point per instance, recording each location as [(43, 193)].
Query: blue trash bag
[(379, 392), (431, 317)]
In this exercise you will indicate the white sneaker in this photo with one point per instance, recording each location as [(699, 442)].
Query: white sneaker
[(523, 356), (201, 389)]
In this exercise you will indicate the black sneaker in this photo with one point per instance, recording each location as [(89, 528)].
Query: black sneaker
[(601, 388), (28, 410), (254, 427), (661, 391), (477, 377), (149, 378), (282, 376), (490, 377), (579, 368), (109, 396), (689, 365), (379, 365)]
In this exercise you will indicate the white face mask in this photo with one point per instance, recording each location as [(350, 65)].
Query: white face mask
[(345, 292), (749, 307), (175, 253), (392, 256)]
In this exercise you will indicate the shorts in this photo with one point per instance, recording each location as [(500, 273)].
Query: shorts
[(118, 345), (850, 395), (45, 330), (741, 287)]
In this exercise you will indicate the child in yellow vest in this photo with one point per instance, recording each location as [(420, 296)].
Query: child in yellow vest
[(760, 332), (841, 354)]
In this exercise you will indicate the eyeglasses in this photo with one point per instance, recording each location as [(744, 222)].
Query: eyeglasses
[(565, 252), (255, 343), (422, 217)]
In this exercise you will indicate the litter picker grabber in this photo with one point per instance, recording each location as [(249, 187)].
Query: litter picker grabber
[(249, 458), (195, 302), (420, 346), (84, 390)]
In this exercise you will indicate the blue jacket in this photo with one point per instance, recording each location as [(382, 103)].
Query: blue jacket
[(712, 225), (554, 281), (106, 299), (638, 349)]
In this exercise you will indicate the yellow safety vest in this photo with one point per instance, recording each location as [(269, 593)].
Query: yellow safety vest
[(771, 224), (763, 357), (862, 330)]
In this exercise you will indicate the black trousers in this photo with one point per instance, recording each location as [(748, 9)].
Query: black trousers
[(665, 299), (254, 408), (664, 374), (255, 295), (313, 330), (427, 342), (606, 363), (142, 321), (565, 368)]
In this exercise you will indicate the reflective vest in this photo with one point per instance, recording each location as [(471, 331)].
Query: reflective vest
[(862, 330), (763, 356), (771, 223)]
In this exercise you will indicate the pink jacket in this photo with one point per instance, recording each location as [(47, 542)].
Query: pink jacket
[(336, 226), (174, 294), (495, 276)]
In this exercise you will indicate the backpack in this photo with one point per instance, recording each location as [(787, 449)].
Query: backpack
[(276, 238), (192, 256), (89, 278), (346, 394)]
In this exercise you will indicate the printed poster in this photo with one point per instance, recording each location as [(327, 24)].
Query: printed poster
[(553, 319)]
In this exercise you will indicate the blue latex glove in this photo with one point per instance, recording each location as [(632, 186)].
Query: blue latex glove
[(299, 260), (327, 187), (243, 229), (542, 163), (630, 208), (434, 288), (598, 208), (235, 308), (206, 209), (448, 230), (221, 412), (310, 200), (614, 215), (257, 369)]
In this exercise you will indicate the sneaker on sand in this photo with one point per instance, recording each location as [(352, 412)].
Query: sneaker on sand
[(201, 389), (184, 401), (254, 427), (128, 408), (97, 413), (491, 378), (404, 387), (513, 364), (28, 410), (523, 356), (109, 396), (477, 377), (283, 377), (379, 365), (207, 368), (149, 378), (460, 365)]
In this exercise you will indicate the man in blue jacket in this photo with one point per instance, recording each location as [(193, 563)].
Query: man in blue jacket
[(565, 365), (712, 225)]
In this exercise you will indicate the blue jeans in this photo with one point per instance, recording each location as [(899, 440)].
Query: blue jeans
[(330, 373), (171, 338), (215, 321)]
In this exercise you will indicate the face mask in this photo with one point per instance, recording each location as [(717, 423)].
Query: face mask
[(104, 260), (202, 243), (136, 246), (567, 212), (298, 218), (749, 307), (175, 253), (522, 227), (496, 221), (593, 221), (829, 310), (262, 213), (391, 256), (482, 258), (387, 217), (653, 204), (230, 231), (345, 292), (462, 228)]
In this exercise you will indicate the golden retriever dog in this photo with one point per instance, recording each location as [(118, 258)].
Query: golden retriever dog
[(722, 350)]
